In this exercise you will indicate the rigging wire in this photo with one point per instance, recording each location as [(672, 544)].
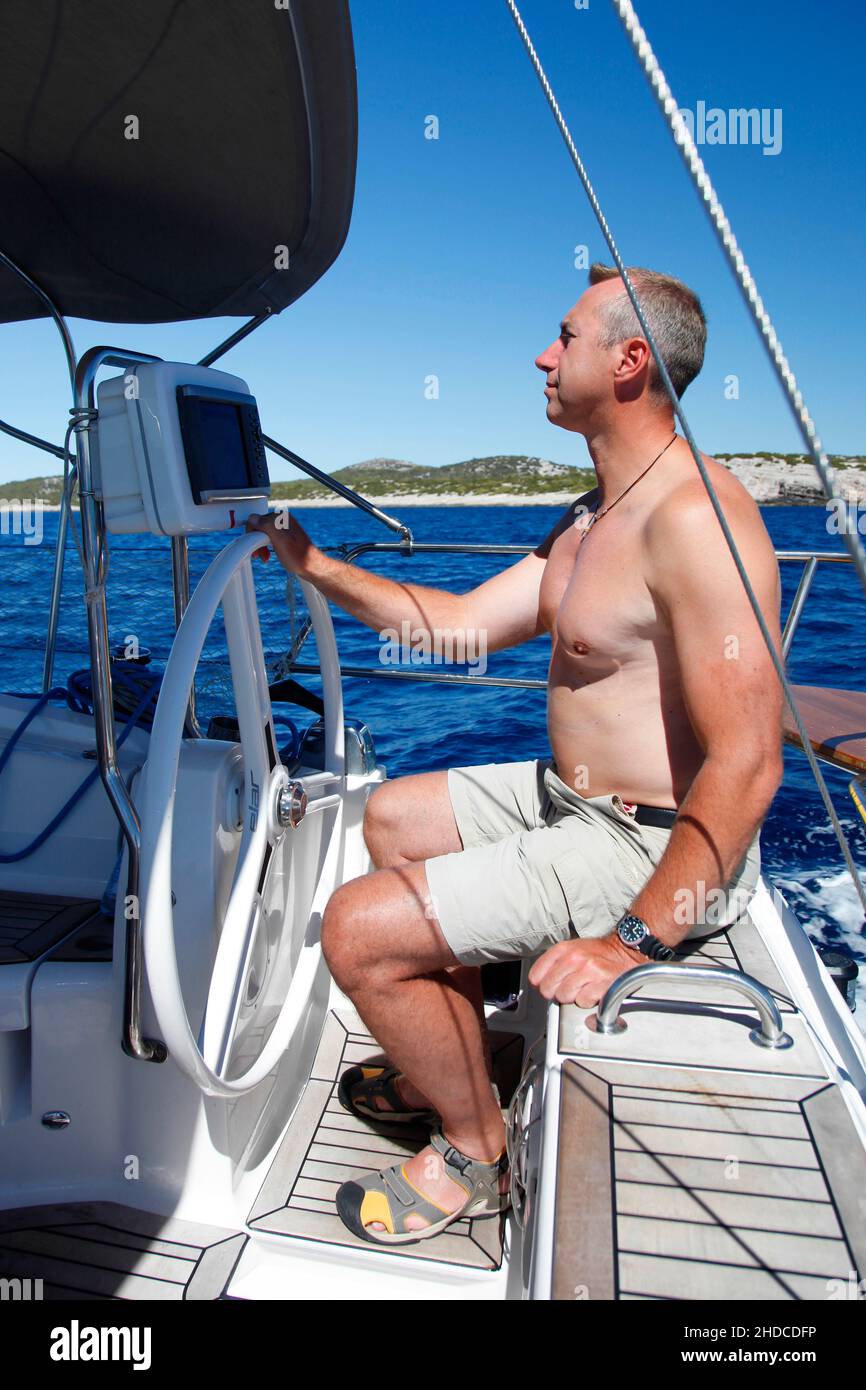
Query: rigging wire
[(68, 348), (657, 79), (742, 274)]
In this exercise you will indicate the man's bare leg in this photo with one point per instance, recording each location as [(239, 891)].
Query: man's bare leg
[(386, 951), (408, 820)]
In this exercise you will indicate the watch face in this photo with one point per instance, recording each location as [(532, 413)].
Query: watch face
[(632, 931)]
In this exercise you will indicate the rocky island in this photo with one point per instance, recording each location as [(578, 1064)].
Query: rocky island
[(511, 480), (520, 480)]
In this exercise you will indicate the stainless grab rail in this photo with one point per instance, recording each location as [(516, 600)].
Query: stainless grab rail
[(770, 1034), (92, 543), (395, 673), (799, 603)]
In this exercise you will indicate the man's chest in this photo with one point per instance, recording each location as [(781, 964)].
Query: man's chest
[(594, 597)]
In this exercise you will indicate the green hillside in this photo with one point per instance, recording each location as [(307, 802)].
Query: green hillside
[(497, 474), (47, 490), (507, 473), (515, 473)]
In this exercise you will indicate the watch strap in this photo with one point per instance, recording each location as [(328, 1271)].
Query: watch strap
[(656, 949)]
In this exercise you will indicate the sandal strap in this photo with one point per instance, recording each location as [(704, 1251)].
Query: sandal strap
[(461, 1161), (385, 1086), (393, 1179), (472, 1174)]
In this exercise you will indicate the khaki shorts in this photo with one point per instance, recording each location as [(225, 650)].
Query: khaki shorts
[(541, 863)]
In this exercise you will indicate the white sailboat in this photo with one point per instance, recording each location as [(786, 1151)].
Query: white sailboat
[(169, 1127)]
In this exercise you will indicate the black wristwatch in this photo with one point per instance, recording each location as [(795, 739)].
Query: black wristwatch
[(634, 932)]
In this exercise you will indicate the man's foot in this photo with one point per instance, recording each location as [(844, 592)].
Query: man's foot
[(426, 1172), (411, 1097), (376, 1090), (417, 1199)]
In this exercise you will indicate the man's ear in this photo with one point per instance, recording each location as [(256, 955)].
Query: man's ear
[(635, 354), (631, 373)]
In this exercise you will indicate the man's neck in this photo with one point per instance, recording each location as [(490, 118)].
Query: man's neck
[(620, 452)]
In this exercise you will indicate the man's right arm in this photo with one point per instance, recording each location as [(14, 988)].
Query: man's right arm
[(504, 608)]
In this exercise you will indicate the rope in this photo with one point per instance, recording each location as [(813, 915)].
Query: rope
[(143, 689), (857, 553), (292, 606)]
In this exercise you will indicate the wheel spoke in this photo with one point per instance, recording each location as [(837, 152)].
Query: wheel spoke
[(249, 682), (234, 954), (252, 696)]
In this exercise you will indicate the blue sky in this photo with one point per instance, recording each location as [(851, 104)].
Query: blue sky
[(460, 258)]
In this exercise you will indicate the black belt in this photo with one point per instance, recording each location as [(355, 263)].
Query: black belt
[(655, 815)]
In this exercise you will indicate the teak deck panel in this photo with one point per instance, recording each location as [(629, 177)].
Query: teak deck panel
[(32, 923), (694, 1165), (102, 1250), (835, 721), (326, 1146), (647, 1209)]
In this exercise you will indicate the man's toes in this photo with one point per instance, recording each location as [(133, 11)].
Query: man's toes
[(414, 1222)]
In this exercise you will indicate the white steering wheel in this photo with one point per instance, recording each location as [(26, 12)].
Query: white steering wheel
[(239, 954)]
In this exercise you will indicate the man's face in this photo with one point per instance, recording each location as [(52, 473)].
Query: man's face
[(579, 372)]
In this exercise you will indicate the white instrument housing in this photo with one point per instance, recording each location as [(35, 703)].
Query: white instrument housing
[(179, 451)]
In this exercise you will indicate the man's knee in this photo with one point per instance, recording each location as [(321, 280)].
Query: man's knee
[(381, 822), (341, 947), (353, 943)]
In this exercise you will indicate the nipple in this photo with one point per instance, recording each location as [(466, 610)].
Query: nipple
[(581, 649)]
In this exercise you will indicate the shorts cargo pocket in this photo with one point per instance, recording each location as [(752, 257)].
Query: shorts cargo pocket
[(596, 899)]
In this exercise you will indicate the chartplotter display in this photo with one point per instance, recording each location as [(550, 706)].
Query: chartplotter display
[(180, 450)]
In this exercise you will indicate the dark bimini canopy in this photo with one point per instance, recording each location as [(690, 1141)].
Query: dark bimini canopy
[(246, 141)]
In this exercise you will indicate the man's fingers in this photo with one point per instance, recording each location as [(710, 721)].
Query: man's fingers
[(574, 988), (560, 969), (568, 987), (546, 963), (586, 994)]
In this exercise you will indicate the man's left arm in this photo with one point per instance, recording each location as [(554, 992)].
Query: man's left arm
[(734, 703)]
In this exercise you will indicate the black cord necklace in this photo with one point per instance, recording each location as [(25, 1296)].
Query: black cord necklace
[(597, 516)]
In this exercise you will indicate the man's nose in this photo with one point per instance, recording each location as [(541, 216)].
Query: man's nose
[(546, 361)]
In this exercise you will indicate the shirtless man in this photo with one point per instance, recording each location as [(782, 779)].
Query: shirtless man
[(662, 699)]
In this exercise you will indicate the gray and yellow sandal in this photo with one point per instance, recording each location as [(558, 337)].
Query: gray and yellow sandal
[(361, 1086), (389, 1197)]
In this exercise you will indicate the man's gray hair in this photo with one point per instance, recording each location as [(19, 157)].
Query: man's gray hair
[(673, 312)]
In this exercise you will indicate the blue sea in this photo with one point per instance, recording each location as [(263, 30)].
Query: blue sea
[(421, 727)]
